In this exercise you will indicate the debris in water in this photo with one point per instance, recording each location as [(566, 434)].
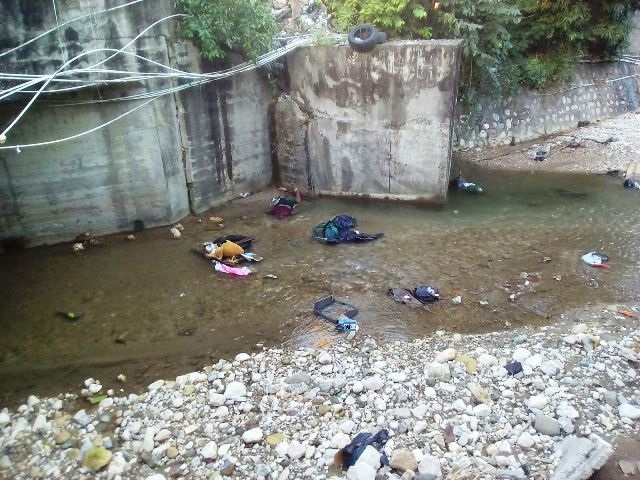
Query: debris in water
[(271, 276), (216, 219), (175, 232), (77, 247), (70, 315), (130, 238), (596, 259)]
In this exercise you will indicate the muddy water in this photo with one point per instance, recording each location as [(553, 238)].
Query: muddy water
[(174, 313)]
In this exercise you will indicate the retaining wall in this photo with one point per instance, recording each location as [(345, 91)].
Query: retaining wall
[(374, 124), (596, 91)]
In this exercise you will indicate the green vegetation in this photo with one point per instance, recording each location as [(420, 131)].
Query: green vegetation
[(218, 26), (507, 43)]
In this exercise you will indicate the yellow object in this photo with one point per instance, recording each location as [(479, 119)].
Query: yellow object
[(227, 250)]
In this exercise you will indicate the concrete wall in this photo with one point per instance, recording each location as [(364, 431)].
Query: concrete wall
[(596, 91), (375, 124), (185, 151)]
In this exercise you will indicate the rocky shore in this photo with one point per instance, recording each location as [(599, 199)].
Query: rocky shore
[(519, 404)]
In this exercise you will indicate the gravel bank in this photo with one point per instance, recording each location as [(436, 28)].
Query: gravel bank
[(590, 157), (448, 402)]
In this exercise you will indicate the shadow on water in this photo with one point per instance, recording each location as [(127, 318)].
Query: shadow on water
[(153, 308)]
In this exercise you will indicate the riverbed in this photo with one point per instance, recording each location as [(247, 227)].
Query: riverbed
[(152, 308)]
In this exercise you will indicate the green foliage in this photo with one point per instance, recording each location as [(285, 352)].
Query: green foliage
[(218, 26)]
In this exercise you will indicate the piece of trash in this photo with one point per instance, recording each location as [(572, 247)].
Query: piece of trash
[(513, 368), (70, 315), (627, 313), (181, 294), (340, 230), (348, 456), (632, 184), (512, 297), (557, 278), (240, 271), (583, 123), (364, 37), (461, 184), (175, 232), (284, 205), (403, 295), (484, 303), (271, 276), (96, 399), (546, 259), (347, 324), (216, 219), (77, 247), (121, 337), (339, 313), (596, 259), (88, 239), (539, 152), (426, 294), (122, 378), (245, 194), (179, 226), (456, 300), (251, 256), (130, 238), (615, 173)]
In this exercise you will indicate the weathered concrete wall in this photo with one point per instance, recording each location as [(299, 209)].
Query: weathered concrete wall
[(596, 91), (375, 124), (190, 150)]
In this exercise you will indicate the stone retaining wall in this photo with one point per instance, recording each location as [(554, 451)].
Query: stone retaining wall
[(597, 91)]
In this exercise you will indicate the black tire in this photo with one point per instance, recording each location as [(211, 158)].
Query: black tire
[(364, 37)]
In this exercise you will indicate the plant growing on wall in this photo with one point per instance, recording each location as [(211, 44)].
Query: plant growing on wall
[(219, 26)]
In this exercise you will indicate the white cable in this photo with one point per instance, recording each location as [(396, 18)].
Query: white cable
[(66, 23), (51, 142)]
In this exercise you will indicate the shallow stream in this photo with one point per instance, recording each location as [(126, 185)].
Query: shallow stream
[(172, 313)]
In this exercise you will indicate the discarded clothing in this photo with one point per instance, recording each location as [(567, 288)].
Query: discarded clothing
[(426, 294), (628, 183), (339, 230), (229, 249), (226, 250), (240, 271), (416, 297), (348, 456), (460, 183), (284, 206), (513, 368), (596, 259)]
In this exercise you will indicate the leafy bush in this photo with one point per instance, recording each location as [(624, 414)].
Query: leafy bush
[(218, 26)]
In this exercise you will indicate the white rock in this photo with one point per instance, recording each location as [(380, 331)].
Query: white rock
[(325, 358), (371, 457), (216, 399), (487, 360), (40, 425), (347, 426), (95, 387), (32, 401), (340, 440), (482, 410), (379, 404), (156, 385), (209, 451), (430, 465), (459, 405), (521, 354), (525, 440), (438, 371), (162, 435), (534, 361), (538, 401), (176, 402), (242, 357), (117, 466), (235, 390), (357, 387), (296, 450), (456, 300), (626, 410), (361, 471), (82, 418), (156, 476), (148, 443), (5, 419), (420, 411), (373, 383), (252, 436), (398, 377), (446, 355), (196, 377)]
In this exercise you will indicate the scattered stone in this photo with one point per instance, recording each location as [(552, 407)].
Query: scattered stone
[(580, 457), (445, 356), (235, 390), (403, 460), (627, 410), (373, 383), (210, 451), (96, 458), (252, 436), (546, 425), (628, 467)]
